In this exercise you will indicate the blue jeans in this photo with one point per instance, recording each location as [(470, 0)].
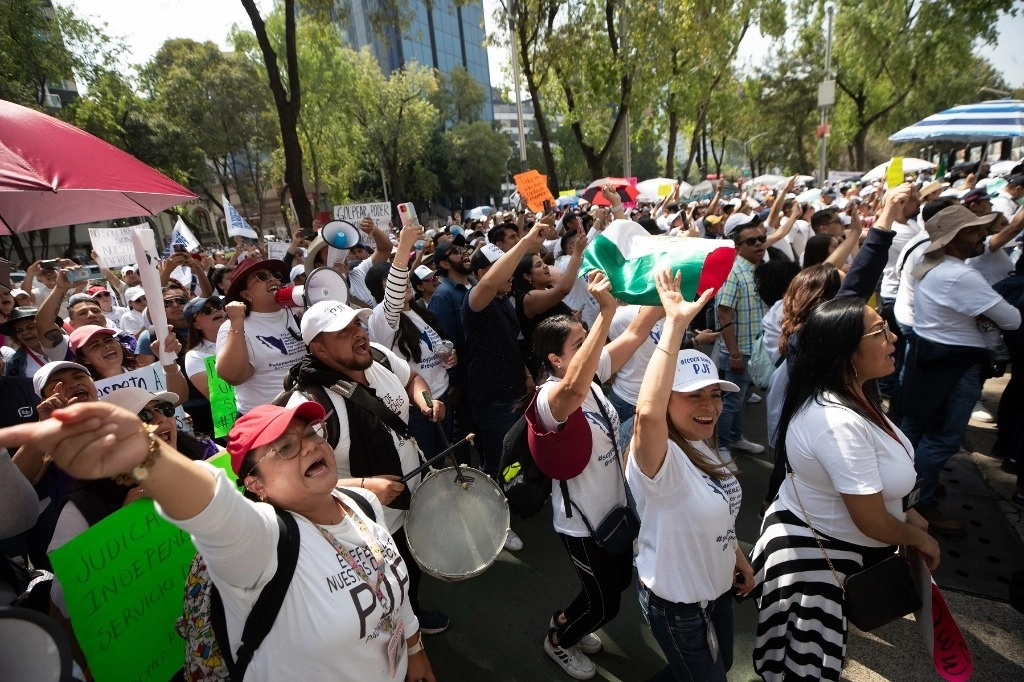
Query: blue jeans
[(425, 431), (681, 631), (493, 420), (933, 447), (730, 424), (627, 415)]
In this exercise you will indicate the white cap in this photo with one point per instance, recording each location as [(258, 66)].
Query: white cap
[(738, 220), (19, 292), (423, 272), (134, 399), (329, 316), (492, 252), (299, 269), (133, 294), (130, 268), (694, 371), (42, 375)]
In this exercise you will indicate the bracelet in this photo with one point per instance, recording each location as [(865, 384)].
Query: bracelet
[(140, 472), (666, 351), (735, 357), (232, 330), (417, 647)]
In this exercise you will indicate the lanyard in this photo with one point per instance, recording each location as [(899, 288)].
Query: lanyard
[(375, 550), (40, 361)]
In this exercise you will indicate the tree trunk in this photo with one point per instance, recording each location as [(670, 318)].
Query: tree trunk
[(539, 118), (19, 248), (673, 134), (72, 241)]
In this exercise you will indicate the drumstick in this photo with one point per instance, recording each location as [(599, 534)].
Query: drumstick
[(418, 470)]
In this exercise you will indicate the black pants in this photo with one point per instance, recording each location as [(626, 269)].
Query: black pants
[(604, 576), (415, 572)]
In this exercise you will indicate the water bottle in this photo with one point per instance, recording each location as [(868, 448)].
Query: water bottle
[(997, 350)]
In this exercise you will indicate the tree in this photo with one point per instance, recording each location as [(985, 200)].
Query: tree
[(474, 148), (459, 98)]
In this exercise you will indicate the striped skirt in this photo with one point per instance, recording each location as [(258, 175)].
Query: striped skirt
[(801, 629)]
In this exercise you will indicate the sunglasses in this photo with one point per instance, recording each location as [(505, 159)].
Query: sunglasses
[(211, 307), (266, 276), (148, 414), (456, 251), (753, 241), (178, 300), (101, 294)]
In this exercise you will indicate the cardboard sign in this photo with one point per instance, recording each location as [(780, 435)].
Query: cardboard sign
[(533, 188), (950, 654), (567, 193), (222, 399), (353, 213), (277, 250), (894, 173), (149, 378), (113, 245), (144, 246)]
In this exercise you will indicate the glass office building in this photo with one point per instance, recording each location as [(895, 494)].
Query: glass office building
[(444, 37)]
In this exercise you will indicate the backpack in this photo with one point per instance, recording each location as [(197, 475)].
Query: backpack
[(202, 624)]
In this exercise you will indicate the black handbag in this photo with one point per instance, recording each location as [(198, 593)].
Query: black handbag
[(616, 532), (875, 595)]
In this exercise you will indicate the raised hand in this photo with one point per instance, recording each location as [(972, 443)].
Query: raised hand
[(668, 286), (600, 287)]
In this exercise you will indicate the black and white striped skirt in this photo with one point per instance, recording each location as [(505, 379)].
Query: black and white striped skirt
[(801, 629)]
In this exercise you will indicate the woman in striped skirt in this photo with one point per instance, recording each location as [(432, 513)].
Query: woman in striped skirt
[(849, 484)]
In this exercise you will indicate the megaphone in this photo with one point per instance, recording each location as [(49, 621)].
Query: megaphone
[(324, 284), (290, 296), (340, 234)]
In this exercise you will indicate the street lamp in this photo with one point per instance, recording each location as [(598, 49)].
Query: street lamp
[(826, 97)]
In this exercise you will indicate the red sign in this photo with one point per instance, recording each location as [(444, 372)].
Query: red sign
[(823, 130)]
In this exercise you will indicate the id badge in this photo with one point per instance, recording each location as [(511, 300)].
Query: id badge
[(913, 497), (396, 647), (712, 637)]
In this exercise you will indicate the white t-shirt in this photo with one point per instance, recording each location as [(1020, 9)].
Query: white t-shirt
[(904, 233), (598, 489), (835, 451), (133, 321), (687, 527), (429, 367), (390, 388), (330, 623), (771, 324), (1005, 204), (947, 301), (58, 352), (579, 298), (195, 359), (797, 238), (114, 316), (626, 383), (357, 281), (993, 265), (910, 257), (272, 351)]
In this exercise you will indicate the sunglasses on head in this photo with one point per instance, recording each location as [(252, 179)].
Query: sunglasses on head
[(177, 300), (148, 414), (266, 275), (753, 241)]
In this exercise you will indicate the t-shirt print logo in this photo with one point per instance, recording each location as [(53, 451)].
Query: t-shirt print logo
[(273, 342)]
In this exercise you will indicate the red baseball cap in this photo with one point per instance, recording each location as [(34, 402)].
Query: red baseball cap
[(561, 454), (81, 336), (97, 289), (263, 425)]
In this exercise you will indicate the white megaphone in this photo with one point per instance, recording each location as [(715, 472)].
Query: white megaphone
[(323, 284)]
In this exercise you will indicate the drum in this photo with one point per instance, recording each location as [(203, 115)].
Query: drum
[(456, 529)]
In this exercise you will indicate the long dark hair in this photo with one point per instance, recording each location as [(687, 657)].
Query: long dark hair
[(550, 337), (823, 363), (129, 360), (407, 339), (816, 249), (519, 283), (810, 287)]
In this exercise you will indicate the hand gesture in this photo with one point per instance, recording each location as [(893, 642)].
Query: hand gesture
[(543, 229), (34, 269), (367, 224), (672, 300), (386, 487), (611, 196), (235, 311), (579, 244), (599, 286), (720, 185), (790, 184), (171, 343)]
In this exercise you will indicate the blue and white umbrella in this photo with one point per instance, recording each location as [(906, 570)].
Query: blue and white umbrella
[(568, 200), (980, 122)]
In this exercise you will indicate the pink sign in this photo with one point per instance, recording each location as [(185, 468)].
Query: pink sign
[(945, 643), (630, 204)]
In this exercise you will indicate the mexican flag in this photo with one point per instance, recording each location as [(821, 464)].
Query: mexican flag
[(629, 256)]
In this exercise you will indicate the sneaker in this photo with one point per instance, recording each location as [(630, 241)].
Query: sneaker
[(753, 399), (573, 661), (433, 622), (589, 644), (939, 522), (981, 414), (513, 542), (725, 455), (744, 445)]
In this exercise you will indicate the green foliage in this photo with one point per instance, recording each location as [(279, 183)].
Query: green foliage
[(459, 98), (476, 155)]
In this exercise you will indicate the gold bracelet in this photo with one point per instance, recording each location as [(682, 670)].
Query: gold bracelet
[(140, 472), (232, 330), (667, 352)]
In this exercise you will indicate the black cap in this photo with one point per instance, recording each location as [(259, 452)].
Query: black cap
[(441, 250), (1015, 180), (976, 194)]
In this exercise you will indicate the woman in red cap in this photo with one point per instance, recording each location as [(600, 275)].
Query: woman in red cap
[(361, 629), (99, 351), (593, 478)]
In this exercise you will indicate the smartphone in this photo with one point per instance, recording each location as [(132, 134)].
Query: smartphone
[(547, 207), (49, 264), (179, 248), (79, 275), (724, 326), (308, 233), (407, 214)]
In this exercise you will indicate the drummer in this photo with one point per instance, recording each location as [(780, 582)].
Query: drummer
[(372, 449)]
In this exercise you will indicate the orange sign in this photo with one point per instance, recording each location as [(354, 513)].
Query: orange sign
[(533, 188)]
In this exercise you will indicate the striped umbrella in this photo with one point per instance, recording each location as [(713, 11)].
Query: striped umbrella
[(980, 122)]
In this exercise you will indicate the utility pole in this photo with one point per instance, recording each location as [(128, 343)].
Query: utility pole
[(513, 10), (826, 98), (627, 152)]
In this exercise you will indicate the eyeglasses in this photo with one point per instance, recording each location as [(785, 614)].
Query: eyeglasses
[(178, 300), (148, 414), (884, 331), (266, 275), (289, 445), (211, 307), (752, 241)]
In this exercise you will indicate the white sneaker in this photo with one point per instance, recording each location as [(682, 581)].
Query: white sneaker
[(513, 542), (589, 644), (726, 456), (744, 445), (573, 661), (753, 399), (981, 414)]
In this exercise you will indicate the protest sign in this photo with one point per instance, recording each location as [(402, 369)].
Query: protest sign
[(149, 378), (183, 236), (144, 245), (567, 193), (123, 582), (533, 188), (277, 250), (353, 213), (222, 399), (664, 190), (113, 245), (237, 225), (894, 174)]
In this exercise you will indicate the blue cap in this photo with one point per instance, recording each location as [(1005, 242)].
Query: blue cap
[(193, 307)]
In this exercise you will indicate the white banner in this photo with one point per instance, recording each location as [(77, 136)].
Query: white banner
[(353, 213), (237, 226), (149, 378), (149, 272), (843, 176), (113, 245), (182, 235)]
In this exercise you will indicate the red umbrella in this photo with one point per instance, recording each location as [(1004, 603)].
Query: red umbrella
[(52, 173), (593, 193)]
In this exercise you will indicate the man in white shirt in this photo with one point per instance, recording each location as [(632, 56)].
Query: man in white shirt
[(905, 227), (948, 362), (1007, 200), (134, 320)]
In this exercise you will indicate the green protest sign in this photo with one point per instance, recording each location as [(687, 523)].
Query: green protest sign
[(222, 399), (124, 581)]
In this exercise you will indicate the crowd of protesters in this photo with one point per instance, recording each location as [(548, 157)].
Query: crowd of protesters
[(882, 311)]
